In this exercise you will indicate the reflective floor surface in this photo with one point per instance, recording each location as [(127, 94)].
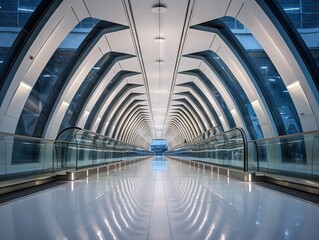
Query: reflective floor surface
[(159, 199)]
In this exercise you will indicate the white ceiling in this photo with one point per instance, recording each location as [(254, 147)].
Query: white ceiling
[(168, 25)]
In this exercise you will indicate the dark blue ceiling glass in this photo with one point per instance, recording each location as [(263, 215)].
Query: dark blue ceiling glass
[(13, 16), (304, 15)]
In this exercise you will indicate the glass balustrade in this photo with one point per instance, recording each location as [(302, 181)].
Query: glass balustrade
[(224, 149), (73, 149), (295, 155)]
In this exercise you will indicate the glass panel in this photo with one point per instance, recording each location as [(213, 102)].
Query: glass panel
[(159, 147), (26, 156), (304, 14), (22, 156), (50, 74), (225, 149), (271, 84), (13, 16), (292, 155)]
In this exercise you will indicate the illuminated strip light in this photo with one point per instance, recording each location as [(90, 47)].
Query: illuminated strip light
[(254, 102), (25, 85), (293, 85), (25, 10), (65, 103), (292, 8)]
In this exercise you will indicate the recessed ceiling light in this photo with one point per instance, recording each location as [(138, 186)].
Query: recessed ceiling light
[(159, 8), (159, 61), (159, 39)]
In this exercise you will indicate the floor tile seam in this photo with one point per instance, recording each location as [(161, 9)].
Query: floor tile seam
[(151, 210), (167, 210)]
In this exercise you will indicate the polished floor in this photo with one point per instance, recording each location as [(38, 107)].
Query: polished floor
[(159, 199)]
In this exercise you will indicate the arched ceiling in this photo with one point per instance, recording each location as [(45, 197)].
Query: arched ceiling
[(168, 74)]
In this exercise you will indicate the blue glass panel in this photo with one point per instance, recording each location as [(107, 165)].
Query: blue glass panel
[(271, 81), (49, 76), (13, 16), (304, 14)]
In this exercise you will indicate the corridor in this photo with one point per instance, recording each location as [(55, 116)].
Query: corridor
[(159, 199)]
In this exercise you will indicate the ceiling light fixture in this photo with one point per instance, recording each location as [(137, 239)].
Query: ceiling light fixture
[(159, 8), (160, 61), (159, 39)]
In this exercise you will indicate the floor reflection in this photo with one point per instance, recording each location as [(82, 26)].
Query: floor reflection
[(159, 199), (159, 163)]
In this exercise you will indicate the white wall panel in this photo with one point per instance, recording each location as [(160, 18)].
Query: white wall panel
[(9, 124), (206, 10), (110, 10), (16, 107), (83, 119), (131, 64), (202, 39), (96, 124), (188, 64), (119, 42), (79, 9), (234, 7)]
